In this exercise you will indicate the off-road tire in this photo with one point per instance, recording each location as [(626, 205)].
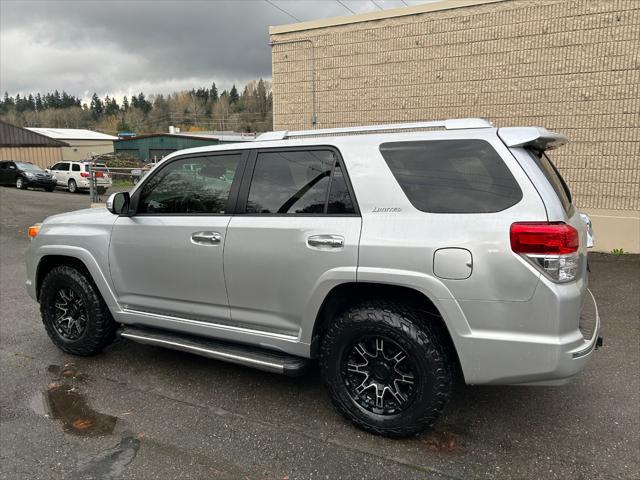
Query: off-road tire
[(423, 342), (72, 186), (100, 327)]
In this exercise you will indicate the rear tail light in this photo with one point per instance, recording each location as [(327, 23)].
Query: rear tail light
[(84, 174), (99, 175), (551, 246)]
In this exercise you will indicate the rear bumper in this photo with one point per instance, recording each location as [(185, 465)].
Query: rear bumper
[(508, 358), (84, 183)]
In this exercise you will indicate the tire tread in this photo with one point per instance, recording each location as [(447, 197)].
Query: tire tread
[(103, 327), (424, 333)]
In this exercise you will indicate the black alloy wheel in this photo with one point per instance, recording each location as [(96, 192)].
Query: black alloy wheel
[(74, 313), (379, 375), (71, 314), (387, 367)]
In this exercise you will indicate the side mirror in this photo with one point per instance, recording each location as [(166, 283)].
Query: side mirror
[(118, 203), (48, 170)]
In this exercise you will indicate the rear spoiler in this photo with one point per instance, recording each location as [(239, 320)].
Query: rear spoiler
[(536, 137)]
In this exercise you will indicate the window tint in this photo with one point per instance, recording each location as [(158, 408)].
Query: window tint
[(555, 179), (190, 185), (75, 167), (339, 197), (291, 182), (3, 165), (61, 166), (452, 176)]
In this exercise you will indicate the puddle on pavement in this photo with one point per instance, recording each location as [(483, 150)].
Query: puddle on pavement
[(63, 401)]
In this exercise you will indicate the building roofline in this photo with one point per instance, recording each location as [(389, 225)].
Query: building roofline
[(51, 142), (56, 133), (187, 136), (163, 134), (376, 15)]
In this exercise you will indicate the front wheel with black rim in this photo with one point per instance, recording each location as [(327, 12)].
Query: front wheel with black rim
[(387, 368), (73, 312)]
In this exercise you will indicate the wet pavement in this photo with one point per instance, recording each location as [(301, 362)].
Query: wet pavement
[(137, 411)]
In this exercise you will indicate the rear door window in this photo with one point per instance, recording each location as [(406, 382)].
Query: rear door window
[(452, 176), (75, 167), (298, 182)]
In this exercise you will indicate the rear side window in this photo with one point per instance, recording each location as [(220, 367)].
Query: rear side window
[(452, 176), (555, 179), (298, 182), (75, 167)]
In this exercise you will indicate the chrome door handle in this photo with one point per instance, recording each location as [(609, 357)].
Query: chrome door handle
[(206, 238), (326, 241)]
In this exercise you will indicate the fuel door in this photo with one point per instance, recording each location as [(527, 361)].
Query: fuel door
[(452, 263)]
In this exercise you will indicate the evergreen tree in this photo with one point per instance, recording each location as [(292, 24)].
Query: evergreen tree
[(213, 92), (39, 105), (111, 106), (31, 103), (57, 101), (125, 104), (233, 95), (96, 107)]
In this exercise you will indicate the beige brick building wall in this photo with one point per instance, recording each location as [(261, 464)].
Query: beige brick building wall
[(571, 66)]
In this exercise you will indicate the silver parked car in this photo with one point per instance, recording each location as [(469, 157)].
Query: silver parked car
[(400, 256)]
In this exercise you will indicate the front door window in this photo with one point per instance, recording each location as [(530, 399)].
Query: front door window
[(199, 185)]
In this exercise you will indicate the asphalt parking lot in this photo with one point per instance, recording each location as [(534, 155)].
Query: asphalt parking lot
[(142, 412)]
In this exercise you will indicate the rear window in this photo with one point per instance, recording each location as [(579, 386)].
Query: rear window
[(555, 179), (452, 176)]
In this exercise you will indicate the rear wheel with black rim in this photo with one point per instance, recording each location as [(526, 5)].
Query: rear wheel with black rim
[(73, 312), (387, 368)]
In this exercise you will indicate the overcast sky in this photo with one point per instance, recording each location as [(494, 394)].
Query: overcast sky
[(124, 47)]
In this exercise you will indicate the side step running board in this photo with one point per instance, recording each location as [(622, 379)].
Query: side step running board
[(262, 359)]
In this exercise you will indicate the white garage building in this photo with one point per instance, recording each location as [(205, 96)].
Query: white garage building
[(82, 143)]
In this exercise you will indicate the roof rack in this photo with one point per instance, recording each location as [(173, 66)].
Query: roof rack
[(451, 124)]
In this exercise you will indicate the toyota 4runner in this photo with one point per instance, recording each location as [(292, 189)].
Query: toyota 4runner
[(399, 256)]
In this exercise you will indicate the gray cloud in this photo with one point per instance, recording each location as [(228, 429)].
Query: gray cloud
[(122, 47)]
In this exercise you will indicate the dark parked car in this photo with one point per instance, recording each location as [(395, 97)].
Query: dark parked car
[(25, 174)]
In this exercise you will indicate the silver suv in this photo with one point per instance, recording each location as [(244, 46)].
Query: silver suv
[(399, 256)]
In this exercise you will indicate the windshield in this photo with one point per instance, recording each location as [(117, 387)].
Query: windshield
[(28, 167), (555, 179)]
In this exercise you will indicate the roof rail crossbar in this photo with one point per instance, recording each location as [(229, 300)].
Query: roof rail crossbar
[(452, 124)]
